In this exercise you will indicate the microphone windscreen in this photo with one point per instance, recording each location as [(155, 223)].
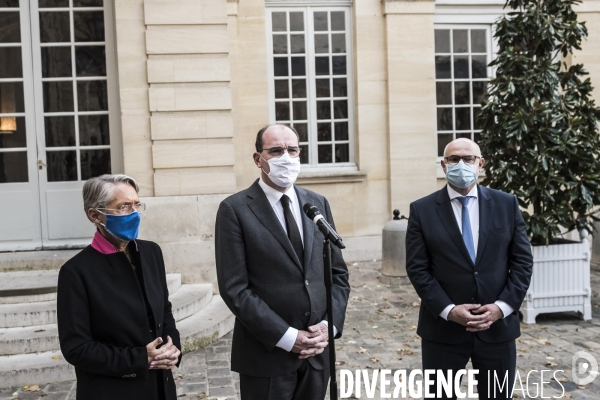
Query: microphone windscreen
[(310, 210)]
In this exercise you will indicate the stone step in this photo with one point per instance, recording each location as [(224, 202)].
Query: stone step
[(28, 286), (186, 300), (35, 260), (29, 339), (199, 330)]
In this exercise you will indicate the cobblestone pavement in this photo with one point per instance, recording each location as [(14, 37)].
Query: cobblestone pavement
[(380, 334)]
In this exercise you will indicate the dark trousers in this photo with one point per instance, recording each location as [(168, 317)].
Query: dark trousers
[(488, 358), (306, 383)]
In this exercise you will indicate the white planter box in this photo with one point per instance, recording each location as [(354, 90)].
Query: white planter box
[(560, 280)]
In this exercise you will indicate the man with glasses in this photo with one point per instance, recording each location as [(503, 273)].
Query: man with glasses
[(271, 275), (469, 259)]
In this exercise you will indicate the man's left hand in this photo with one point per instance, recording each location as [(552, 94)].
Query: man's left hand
[(495, 313), (169, 358), (323, 337)]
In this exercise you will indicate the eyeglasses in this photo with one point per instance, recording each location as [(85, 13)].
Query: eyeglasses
[(453, 160), (276, 152), (127, 209)]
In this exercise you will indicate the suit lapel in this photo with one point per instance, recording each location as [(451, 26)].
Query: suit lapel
[(260, 206), (444, 210), (485, 219), (308, 226)]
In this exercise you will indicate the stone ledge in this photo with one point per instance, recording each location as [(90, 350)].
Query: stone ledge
[(340, 176)]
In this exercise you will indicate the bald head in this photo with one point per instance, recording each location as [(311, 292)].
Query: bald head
[(462, 147)]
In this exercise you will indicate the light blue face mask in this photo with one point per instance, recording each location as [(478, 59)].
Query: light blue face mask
[(461, 175), (123, 227)]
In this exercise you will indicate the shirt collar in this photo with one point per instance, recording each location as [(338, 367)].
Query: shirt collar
[(274, 195), (101, 244), (454, 194)]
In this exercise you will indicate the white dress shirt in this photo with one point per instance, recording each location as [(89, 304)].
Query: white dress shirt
[(274, 197), (473, 207)]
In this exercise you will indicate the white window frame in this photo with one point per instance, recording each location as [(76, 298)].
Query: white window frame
[(309, 8)]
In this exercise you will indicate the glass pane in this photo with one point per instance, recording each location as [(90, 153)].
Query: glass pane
[(87, 3), (341, 131), (323, 109), (461, 67), (322, 87), (442, 67), (322, 65), (461, 93), (56, 62), (95, 163), (280, 66), (460, 41), (340, 87), (339, 65), (89, 26), (60, 131), (11, 97), (300, 110), (297, 43), (322, 43), (55, 27), (302, 130), (279, 22), (479, 66), (58, 96), (342, 152), (299, 88), (478, 41), (463, 119), (12, 132), (338, 22), (466, 135), (282, 90), (443, 93), (324, 132), (443, 140), (10, 27), (479, 92), (304, 154), (324, 153), (93, 130), (9, 3), (53, 3), (280, 44), (444, 119), (92, 96), (10, 62), (338, 43), (442, 41), (298, 66), (340, 109), (478, 125), (282, 111), (13, 167), (321, 21), (90, 60), (62, 166), (296, 21)]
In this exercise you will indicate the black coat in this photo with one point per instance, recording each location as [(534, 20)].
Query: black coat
[(263, 283), (440, 269), (103, 326)]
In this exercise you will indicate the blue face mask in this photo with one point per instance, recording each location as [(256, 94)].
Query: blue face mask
[(123, 227), (461, 175)]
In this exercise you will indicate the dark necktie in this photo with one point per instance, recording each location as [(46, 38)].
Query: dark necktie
[(467, 233), (292, 229)]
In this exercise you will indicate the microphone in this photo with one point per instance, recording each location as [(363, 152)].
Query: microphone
[(313, 213)]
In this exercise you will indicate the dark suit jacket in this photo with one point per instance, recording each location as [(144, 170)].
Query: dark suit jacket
[(103, 326), (264, 285), (440, 269)]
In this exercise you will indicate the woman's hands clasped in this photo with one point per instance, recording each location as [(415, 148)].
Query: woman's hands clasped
[(165, 357)]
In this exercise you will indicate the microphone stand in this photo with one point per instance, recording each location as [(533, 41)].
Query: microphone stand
[(333, 388)]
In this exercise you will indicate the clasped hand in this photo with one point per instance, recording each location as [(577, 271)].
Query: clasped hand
[(475, 316), (312, 342), (165, 357)]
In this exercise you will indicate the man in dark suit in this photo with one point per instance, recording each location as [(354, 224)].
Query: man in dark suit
[(469, 259), (271, 275)]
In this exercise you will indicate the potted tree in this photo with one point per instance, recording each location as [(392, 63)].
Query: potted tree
[(540, 128)]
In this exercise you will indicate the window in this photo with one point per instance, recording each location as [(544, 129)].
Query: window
[(310, 80), (462, 54)]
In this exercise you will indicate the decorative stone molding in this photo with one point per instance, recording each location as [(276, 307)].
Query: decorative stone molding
[(408, 6)]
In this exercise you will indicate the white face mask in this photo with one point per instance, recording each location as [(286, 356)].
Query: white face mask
[(283, 170)]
